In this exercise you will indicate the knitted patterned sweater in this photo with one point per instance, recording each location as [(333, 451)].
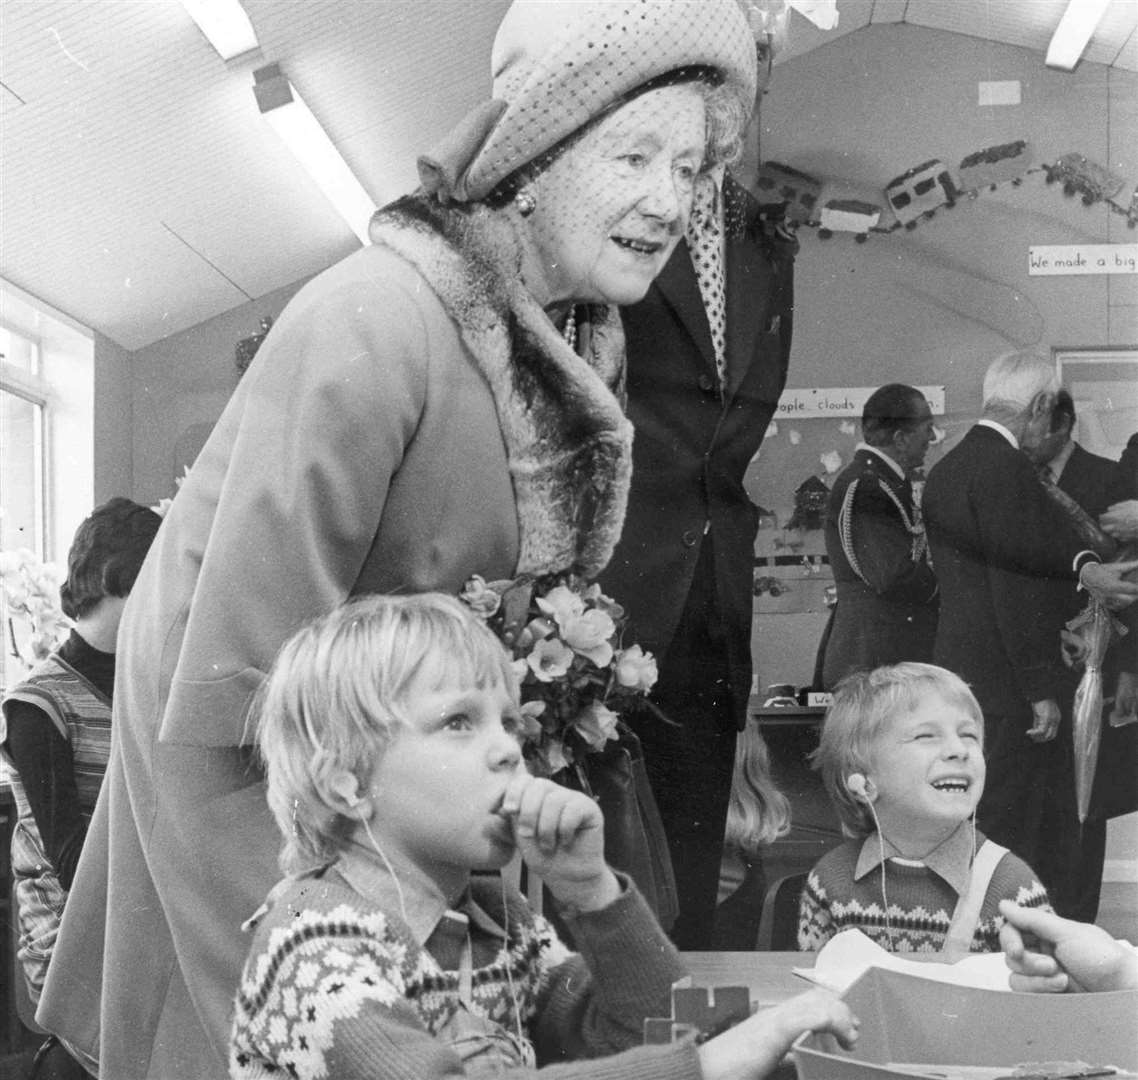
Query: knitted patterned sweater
[(335, 986), (844, 890)]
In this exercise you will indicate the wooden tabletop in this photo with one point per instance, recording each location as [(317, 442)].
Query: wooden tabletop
[(767, 975)]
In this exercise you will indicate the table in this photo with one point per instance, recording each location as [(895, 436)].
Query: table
[(767, 975), (782, 715)]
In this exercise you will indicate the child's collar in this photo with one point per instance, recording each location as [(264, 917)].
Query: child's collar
[(415, 897), (951, 860)]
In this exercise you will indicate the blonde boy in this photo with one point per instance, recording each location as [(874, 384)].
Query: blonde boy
[(902, 758), (389, 735)]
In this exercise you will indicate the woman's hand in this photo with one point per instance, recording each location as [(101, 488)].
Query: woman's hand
[(753, 1049), (1049, 954), (560, 834)]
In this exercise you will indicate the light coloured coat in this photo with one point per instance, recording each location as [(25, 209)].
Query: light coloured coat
[(413, 418)]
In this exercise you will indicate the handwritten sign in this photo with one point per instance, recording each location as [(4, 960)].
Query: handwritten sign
[(841, 401), (1082, 259)]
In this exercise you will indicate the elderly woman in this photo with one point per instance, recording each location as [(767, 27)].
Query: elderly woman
[(439, 404)]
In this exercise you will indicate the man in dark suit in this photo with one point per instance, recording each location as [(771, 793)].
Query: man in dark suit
[(999, 544), (887, 592), (683, 567)]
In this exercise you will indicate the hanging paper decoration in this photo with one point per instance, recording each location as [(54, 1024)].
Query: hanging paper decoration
[(995, 165), (822, 13), (848, 215), (797, 191), (810, 499), (920, 191), (831, 205), (768, 21), (1082, 177)]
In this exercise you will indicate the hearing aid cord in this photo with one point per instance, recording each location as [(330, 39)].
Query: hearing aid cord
[(881, 850), (505, 926)]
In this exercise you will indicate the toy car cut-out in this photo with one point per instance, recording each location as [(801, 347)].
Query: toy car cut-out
[(995, 165), (921, 191), (848, 215), (798, 192)]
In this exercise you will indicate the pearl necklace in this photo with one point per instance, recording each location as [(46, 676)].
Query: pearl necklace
[(569, 330)]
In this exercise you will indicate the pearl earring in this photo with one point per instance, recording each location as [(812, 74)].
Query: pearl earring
[(525, 200)]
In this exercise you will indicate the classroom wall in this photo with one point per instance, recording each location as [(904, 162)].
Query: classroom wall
[(181, 385), (934, 305), (927, 306), (113, 441)]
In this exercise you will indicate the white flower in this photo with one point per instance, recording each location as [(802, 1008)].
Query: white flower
[(479, 597), (589, 634), (596, 724), (550, 659), (555, 758), (562, 604), (595, 598), (636, 668)]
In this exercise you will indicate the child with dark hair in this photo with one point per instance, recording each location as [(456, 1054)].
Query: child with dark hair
[(55, 728)]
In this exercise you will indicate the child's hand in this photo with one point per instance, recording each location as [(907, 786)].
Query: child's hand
[(560, 834), (754, 1048), (1049, 954)]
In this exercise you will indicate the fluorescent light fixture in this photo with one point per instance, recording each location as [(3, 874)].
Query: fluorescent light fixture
[(225, 24), (282, 106), (1073, 32)]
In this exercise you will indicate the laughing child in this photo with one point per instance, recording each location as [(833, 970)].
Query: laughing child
[(395, 949), (902, 758)]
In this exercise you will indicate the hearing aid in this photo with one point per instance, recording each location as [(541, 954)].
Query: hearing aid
[(861, 785)]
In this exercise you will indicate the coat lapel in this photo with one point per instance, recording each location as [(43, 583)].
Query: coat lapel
[(748, 289)]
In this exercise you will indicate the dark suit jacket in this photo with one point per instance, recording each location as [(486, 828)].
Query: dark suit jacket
[(887, 601), (1091, 480), (691, 447), (998, 543), (1126, 487)]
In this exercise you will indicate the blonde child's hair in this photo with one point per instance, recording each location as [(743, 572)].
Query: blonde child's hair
[(864, 703), (338, 692), (758, 813)]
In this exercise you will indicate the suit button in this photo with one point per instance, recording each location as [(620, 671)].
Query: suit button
[(706, 383), (689, 538)]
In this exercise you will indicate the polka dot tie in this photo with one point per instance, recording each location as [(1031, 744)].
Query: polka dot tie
[(706, 246)]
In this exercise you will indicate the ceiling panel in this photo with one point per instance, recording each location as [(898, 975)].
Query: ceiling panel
[(141, 191)]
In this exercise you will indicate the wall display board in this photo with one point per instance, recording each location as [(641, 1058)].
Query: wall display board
[(1104, 385), (812, 438)]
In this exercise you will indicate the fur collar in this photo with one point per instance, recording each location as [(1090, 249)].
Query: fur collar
[(568, 442)]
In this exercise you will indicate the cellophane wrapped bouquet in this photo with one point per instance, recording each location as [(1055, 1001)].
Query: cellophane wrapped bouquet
[(577, 676)]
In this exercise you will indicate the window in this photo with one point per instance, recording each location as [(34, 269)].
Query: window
[(46, 439)]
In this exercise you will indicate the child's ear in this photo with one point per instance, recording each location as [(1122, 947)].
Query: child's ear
[(341, 791)]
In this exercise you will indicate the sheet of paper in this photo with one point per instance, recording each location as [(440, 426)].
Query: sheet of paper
[(846, 956)]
